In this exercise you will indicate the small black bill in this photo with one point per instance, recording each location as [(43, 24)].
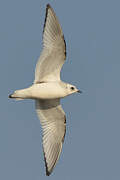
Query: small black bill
[(79, 91)]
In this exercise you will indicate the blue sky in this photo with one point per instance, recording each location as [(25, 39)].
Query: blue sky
[(91, 150)]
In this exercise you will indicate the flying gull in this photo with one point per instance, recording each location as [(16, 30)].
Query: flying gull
[(48, 89)]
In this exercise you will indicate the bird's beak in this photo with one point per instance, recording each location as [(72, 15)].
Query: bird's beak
[(79, 91)]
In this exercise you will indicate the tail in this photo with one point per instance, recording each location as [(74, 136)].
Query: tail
[(16, 98), (19, 94)]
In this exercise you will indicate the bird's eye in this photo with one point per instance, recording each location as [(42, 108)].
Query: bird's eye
[(72, 88)]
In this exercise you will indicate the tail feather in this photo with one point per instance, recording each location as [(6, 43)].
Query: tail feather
[(19, 94), (16, 98)]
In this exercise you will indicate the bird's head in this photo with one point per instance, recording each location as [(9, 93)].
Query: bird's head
[(72, 89)]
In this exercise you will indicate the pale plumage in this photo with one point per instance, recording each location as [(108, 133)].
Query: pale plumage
[(53, 121), (54, 50), (48, 68), (48, 89)]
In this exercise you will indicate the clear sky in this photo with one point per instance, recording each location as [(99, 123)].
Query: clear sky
[(91, 150)]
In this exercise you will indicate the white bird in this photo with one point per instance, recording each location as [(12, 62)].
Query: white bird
[(47, 90)]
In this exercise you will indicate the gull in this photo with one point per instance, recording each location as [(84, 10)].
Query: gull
[(47, 90)]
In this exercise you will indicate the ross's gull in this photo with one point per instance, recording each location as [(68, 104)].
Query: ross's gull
[(47, 90)]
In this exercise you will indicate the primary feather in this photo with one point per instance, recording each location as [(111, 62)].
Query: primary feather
[(54, 50)]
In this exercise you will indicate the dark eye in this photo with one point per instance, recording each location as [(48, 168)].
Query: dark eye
[(72, 88)]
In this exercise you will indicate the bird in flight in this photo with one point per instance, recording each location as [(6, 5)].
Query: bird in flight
[(48, 89)]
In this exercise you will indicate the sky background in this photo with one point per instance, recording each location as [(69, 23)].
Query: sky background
[(91, 150)]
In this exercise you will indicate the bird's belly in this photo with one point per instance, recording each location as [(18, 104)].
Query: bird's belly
[(46, 91)]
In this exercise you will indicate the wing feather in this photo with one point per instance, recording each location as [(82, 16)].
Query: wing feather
[(53, 54), (52, 118)]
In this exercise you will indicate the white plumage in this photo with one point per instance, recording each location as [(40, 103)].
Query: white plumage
[(48, 89), (54, 50)]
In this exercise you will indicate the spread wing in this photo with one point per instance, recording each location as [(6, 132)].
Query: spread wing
[(53, 121), (54, 50)]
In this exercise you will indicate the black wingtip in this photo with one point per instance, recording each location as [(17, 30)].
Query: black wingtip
[(65, 46), (47, 172), (48, 6)]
